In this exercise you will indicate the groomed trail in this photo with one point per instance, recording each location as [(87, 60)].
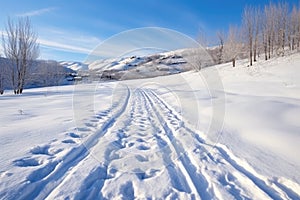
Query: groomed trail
[(141, 148)]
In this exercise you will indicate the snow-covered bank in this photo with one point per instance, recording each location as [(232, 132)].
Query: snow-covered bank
[(150, 138), (263, 110)]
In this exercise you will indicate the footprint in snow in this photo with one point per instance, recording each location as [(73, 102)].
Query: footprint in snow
[(142, 134), (141, 158), (130, 144), (142, 129), (42, 172), (111, 173), (145, 175), (27, 162), (140, 140), (122, 135), (69, 141), (127, 190), (4, 173), (88, 124), (73, 135), (84, 129), (143, 147), (44, 150)]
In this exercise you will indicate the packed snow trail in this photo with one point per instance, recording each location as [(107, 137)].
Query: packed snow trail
[(142, 148)]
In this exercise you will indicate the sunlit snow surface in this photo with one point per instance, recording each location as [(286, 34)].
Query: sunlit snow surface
[(152, 138)]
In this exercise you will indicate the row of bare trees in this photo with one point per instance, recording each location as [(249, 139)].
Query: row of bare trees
[(20, 47), (271, 30)]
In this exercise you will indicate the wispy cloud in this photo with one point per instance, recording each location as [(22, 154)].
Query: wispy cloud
[(62, 40), (63, 47), (37, 12), (66, 41), (148, 39)]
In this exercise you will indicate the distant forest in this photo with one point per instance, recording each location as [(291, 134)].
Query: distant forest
[(272, 30)]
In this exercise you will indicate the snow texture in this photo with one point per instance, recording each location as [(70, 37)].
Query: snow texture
[(145, 139)]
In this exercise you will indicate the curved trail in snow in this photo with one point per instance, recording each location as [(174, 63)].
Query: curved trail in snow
[(144, 149)]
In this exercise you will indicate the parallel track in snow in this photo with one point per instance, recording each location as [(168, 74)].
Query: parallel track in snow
[(143, 129), (199, 181), (47, 178), (196, 181)]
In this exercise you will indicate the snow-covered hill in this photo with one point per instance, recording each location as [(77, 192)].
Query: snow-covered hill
[(76, 66), (136, 67), (154, 138)]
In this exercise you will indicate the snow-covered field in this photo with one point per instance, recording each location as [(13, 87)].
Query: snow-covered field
[(153, 138)]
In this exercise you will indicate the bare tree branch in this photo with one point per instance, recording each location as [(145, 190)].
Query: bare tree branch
[(21, 48)]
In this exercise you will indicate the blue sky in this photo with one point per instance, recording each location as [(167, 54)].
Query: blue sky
[(70, 30)]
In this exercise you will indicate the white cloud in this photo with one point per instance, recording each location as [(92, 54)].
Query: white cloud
[(36, 12), (64, 41), (67, 41), (63, 47), (142, 40)]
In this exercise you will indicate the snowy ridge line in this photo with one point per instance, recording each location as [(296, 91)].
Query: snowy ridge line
[(273, 190), (52, 174), (197, 182)]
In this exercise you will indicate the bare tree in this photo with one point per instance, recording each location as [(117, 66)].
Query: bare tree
[(21, 48), (298, 30), (52, 72), (264, 32), (293, 28), (281, 19), (270, 27), (3, 75), (233, 46), (256, 26), (221, 38), (248, 27), (1, 83), (270, 30), (195, 58)]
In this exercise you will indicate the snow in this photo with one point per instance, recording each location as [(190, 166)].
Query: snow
[(137, 66), (157, 138), (76, 66)]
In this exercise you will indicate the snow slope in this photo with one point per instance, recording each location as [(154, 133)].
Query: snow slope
[(132, 66), (149, 138), (76, 66)]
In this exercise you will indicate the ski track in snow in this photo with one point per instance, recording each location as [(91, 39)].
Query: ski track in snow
[(120, 154)]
